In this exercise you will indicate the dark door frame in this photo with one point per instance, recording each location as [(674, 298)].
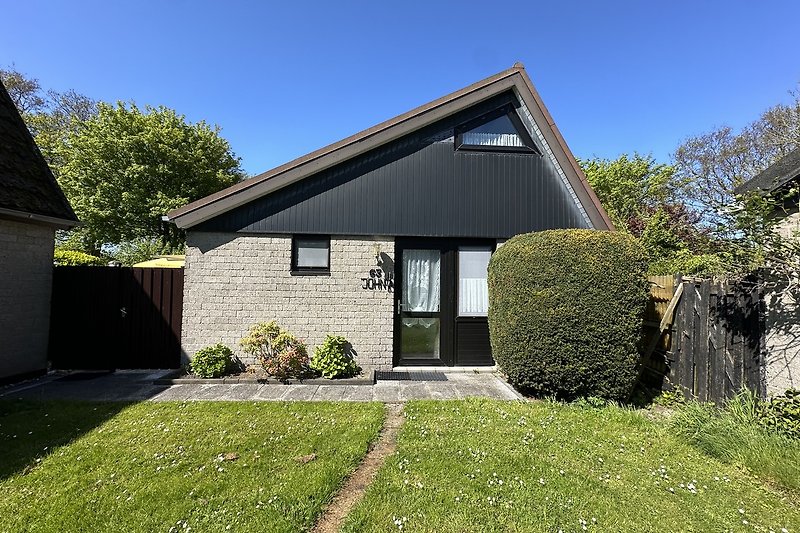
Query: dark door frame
[(448, 314)]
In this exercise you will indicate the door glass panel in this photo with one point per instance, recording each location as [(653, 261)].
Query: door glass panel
[(420, 305), (421, 280), (473, 289), (419, 338)]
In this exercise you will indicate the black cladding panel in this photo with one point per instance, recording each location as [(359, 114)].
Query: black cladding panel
[(416, 186)]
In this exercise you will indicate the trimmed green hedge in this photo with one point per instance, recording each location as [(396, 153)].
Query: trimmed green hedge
[(74, 258), (565, 312)]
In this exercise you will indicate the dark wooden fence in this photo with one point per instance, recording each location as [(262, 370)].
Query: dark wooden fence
[(711, 347), (116, 317)]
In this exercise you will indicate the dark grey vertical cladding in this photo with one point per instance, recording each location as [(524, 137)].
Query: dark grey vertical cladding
[(417, 187)]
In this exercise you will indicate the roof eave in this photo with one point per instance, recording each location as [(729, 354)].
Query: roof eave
[(34, 218)]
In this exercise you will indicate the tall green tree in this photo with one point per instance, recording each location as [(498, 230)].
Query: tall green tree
[(124, 168), (50, 115), (640, 196)]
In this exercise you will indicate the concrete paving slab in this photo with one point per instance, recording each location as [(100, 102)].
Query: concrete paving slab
[(300, 392), (176, 393), (472, 390), (138, 386), (414, 391), (354, 393), (241, 391), (386, 392), (329, 392), (443, 391), (271, 392), (211, 392)]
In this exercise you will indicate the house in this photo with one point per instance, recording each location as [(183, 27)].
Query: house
[(32, 207), (384, 237), (782, 320)]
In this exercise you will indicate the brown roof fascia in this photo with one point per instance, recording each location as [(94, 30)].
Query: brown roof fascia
[(240, 193)]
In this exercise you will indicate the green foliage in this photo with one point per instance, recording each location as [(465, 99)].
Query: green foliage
[(565, 312), (689, 264), (280, 353), (781, 414), (629, 185), (72, 258), (124, 168), (131, 252), (671, 398), (334, 358), (49, 115), (735, 434), (640, 196), (212, 361)]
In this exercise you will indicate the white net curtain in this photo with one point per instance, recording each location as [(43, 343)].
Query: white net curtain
[(421, 285), (473, 289)]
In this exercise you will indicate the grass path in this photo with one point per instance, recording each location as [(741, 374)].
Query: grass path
[(356, 485), (482, 465)]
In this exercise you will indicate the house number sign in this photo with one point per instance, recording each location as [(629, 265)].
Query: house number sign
[(378, 281)]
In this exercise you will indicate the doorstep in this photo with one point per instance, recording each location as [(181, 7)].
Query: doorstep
[(448, 369), (174, 379)]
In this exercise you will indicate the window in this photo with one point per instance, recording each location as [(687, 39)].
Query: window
[(473, 289), (500, 130), (311, 255)]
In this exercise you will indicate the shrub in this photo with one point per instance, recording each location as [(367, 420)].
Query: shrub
[(212, 361), (781, 414), (565, 312), (334, 358), (74, 258), (281, 354)]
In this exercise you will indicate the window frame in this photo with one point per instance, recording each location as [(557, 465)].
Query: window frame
[(304, 270), (508, 110)]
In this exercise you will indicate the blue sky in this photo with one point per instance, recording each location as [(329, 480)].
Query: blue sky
[(284, 79)]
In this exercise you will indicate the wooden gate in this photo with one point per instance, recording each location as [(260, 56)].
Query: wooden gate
[(716, 347), (115, 317)]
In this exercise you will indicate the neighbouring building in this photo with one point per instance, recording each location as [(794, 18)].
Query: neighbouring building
[(384, 237), (782, 320), (32, 207)]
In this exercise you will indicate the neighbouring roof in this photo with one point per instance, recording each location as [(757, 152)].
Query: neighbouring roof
[(28, 189), (163, 261), (515, 79), (774, 177)]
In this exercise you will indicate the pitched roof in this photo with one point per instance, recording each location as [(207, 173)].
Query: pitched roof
[(28, 189), (775, 176), (515, 79)]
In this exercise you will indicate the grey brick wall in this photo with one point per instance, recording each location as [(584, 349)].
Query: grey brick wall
[(26, 275), (782, 343), (234, 281)]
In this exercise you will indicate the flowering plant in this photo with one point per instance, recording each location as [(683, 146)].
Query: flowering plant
[(281, 354)]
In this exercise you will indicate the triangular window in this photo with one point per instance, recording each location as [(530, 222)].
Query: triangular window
[(500, 130)]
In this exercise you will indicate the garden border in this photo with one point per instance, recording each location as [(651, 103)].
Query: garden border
[(174, 378)]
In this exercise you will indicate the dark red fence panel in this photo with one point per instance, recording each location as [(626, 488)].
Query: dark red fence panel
[(112, 317)]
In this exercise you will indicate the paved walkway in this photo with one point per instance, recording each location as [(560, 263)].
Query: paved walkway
[(138, 386)]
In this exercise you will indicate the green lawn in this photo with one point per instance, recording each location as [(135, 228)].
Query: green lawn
[(161, 466), (480, 465)]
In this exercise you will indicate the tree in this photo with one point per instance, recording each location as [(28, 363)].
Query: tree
[(25, 92), (50, 115), (709, 166), (640, 196), (124, 168)]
